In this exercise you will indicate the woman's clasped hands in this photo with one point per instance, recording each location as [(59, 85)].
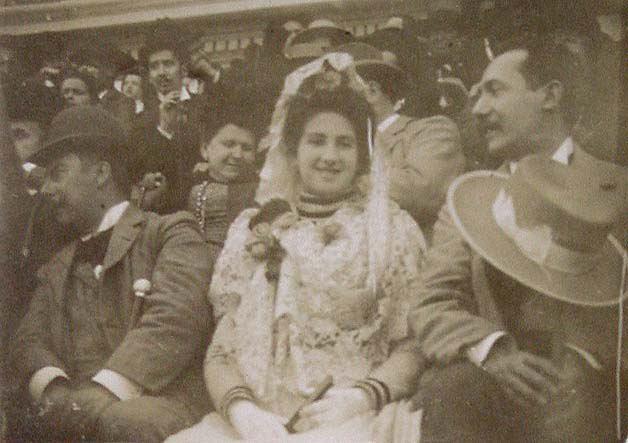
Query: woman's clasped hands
[(337, 406), (256, 424)]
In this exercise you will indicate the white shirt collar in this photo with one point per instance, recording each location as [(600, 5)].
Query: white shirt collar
[(561, 155), (387, 122), (139, 106), (564, 152), (109, 220)]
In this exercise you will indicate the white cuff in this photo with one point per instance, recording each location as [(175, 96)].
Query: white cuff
[(165, 133), (478, 353), (118, 384), (42, 378)]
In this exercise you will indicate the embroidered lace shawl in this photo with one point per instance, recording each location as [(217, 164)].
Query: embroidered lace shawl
[(320, 317)]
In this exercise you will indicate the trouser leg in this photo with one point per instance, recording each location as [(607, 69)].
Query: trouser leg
[(145, 419)]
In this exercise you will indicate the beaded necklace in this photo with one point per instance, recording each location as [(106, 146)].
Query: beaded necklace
[(199, 208)]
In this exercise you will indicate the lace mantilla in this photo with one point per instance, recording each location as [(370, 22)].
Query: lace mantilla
[(321, 317)]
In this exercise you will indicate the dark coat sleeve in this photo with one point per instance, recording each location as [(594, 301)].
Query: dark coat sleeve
[(33, 347), (177, 322)]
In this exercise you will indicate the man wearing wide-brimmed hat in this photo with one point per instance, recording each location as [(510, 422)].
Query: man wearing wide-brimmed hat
[(112, 345), (527, 333), (423, 155)]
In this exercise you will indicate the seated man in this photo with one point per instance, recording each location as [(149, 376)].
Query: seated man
[(424, 155), (227, 179), (112, 345), (520, 306)]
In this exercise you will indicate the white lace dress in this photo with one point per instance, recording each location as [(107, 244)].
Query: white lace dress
[(321, 318)]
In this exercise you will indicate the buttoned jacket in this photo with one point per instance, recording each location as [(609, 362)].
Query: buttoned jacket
[(159, 337)]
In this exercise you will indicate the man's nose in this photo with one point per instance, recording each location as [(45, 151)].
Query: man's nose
[(236, 152), (481, 106), (161, 69)]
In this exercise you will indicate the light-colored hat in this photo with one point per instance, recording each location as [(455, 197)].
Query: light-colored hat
[(548, 225), (320, 36), (370, 62)]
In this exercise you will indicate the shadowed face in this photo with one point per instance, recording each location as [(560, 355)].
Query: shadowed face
[(132, 86), (26, 137), (164, 71), (74, 92), (327, 155), (70, 185)]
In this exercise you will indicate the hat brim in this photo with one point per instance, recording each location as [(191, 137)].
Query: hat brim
[(395, 75), (57, 148), (470, 200), (337, 36)]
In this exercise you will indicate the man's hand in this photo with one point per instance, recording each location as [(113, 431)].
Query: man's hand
[(529, 380), (256, 424), (87, 404), (152, 188), (54, 398), (169, 113)]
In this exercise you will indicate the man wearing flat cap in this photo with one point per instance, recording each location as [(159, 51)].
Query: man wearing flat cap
[(522, 294), (423, 155), (112, 345)]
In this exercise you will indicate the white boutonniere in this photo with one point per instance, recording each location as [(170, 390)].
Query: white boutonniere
[(98, 271), (141, 287)]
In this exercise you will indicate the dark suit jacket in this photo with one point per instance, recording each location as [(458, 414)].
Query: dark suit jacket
[(162, 343), (151, 151)]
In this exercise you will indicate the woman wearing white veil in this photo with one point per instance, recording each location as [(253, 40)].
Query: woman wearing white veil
[(315, 285)]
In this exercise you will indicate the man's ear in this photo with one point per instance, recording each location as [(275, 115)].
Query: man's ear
[(553, 95), (103, 173)]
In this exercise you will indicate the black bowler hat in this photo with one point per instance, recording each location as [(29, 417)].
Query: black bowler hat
[(80, 128)]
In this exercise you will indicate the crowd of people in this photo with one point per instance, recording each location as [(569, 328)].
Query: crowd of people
[(340, 239)]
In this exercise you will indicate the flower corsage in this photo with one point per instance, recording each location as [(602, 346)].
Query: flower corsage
[(273, 218)]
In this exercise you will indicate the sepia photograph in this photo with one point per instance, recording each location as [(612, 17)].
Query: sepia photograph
[(314, 221)]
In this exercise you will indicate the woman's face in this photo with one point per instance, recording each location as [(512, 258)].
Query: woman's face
[(74, 92), (230, 153), (327, 155), (132, 86)]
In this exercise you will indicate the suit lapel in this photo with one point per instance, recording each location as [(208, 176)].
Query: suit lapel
[(123, 236)]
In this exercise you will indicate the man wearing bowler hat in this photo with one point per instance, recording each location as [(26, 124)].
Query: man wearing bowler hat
[(524, 327), (112, 345), (423, 155)]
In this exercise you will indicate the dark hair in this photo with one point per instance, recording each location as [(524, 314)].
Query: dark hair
[(163, 37), (341, 100), (88, 79), (547, 60), (95, 149), (395, 85), (242, 114)]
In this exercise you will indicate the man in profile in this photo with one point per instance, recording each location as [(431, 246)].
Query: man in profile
[(515, 356), (112, 345)]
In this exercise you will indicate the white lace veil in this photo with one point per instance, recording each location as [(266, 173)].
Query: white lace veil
[(279, 180)]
